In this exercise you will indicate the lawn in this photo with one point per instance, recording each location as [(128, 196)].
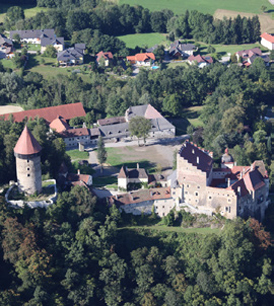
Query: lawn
[(118, 157), (143, 40), (29, 10), (77, 155), (224, 49), (8, 63), (190, 116), (204, 6), (49, 69)]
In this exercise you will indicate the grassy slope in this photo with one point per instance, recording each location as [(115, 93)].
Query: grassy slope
[(205, 6), (143, 40), (29, 10), (46, 69), (205, 231)]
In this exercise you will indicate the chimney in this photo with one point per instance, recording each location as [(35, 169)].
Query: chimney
[(239, 190), (116, 196), (210, 154), (78, 172), (198, 159), (241, 175), (137, 166), (252, 167), (228, 182)]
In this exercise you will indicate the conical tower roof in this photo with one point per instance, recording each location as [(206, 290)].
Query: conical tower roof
[(27, 144)]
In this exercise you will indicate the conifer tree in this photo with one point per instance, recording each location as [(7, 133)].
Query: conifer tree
[(101, 152)]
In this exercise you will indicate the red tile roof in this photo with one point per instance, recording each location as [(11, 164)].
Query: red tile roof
[(75, 132), (27, 144), (249, 52), (112, 120), (105, 55), (152, 113), (201, 59), (73, 177), (123, 172), (268, 37), (59, 125), (141, 196), (141, 57), (67, 111)]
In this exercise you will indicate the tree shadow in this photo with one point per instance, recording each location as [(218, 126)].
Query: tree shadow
[(142, 164), (32, 61)]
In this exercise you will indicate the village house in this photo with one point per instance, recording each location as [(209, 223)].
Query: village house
[(32, 36), (201, 61), (145, 201), (142, 59), (267, 40), (72, 137), (72, 56), (44, 38), (178, 49), (107, 56), (6, 47), (248, 56), (196, 186), (118, 127), (132, 176), (57, 43)]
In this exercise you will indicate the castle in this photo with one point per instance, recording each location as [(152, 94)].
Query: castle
[(28, 164), (199, 188)]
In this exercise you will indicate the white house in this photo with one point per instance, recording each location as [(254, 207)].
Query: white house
[(142, 59), (267, 41)]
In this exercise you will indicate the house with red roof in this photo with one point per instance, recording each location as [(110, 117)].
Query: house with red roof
[(267, 40), (107, 56), (142, 59), (200, 60)]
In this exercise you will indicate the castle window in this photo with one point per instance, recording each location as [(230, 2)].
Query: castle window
[(210, 198), (27, 160), (187, 186), (28, 169), (198, 187), (185, 192), (228, 200), (196, 194), (28, 174), (163, 207)]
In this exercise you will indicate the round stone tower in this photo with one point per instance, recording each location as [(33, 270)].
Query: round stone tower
[(28, 168)]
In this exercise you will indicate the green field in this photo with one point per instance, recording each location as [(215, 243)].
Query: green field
[(49, 69), (143, 40), (29, 10), (128, 156), (204, 6), (76, 154)]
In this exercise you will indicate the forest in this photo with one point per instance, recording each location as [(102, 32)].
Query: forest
[(77, 252)]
